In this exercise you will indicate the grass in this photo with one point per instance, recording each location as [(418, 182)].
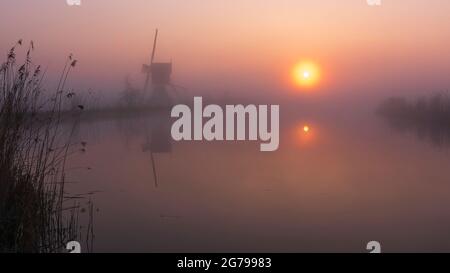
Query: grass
[(35, 214)]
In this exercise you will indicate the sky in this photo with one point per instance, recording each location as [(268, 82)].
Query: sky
[(246, 46)]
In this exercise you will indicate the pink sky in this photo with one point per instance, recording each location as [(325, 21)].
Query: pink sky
[(245, 46)]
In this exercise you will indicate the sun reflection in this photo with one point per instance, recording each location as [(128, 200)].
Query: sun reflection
[(304, 135)]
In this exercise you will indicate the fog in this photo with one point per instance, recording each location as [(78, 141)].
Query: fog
[(247, 49)]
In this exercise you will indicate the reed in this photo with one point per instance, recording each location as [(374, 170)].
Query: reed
[(35, 214)]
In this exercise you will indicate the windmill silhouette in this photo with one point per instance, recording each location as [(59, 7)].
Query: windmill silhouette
[(159, 74)]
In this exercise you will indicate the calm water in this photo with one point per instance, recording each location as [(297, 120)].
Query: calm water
[(345, 183)]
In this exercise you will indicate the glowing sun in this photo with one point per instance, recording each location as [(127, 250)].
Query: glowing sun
[(306, 74)]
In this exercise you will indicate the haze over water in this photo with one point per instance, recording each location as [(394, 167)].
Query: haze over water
[(334, 188)]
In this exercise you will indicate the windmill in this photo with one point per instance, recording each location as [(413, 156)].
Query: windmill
[(159, 74), (158, 142)]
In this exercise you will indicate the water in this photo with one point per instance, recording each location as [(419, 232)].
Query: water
[(344, 183)]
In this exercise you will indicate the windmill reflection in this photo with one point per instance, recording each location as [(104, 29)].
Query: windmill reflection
[(158, 142)]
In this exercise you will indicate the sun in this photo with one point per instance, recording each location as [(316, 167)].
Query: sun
[(306, 74)]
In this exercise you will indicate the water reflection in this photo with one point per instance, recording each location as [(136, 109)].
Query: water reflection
[(333, 187), (426, 117), (153, 132), (305, 134), (429, 131), (158, 141)]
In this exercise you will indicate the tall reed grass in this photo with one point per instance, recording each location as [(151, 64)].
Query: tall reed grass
[(35, 215)]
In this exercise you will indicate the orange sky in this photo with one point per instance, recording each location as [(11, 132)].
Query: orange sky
[(246, 46)]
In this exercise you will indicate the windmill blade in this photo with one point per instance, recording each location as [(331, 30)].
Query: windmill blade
[(154, 46), (147, 80)]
